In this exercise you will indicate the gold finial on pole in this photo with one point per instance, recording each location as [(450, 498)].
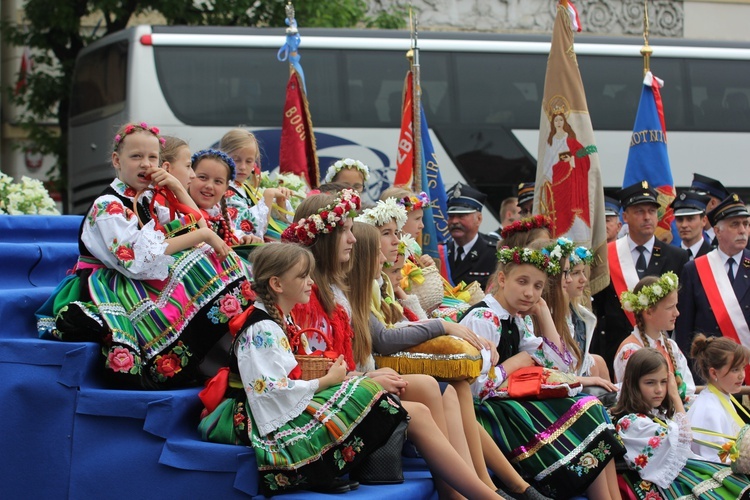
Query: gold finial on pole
[(646, 50)]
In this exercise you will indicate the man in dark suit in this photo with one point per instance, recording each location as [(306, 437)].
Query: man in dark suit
[(631, 257), (714, 296), (690, 218), (471, 255)]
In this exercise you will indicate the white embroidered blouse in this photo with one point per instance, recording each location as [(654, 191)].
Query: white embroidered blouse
[(485, 322), (265, 359), (707, 412), (656, 447), (112, 234)]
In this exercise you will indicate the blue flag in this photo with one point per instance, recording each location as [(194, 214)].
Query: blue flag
[(435, 219), (648, 159)]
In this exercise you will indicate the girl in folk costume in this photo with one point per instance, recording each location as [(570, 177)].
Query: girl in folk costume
[(213, 171), (652, 423), (653, 301), (453, 411), (156, 292), (412, 309), (324, 225), (305, 433), (175, 159), (721, 361), (573, 321), (560, 441), (349, 172), (248, 208), (414, 204)]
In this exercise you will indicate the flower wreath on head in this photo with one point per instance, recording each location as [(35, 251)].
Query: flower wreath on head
[(305, 230), (563, 247), (650, 295), (411, 203), (406, 248), (524, 225), (137, 127), (536, 258), (347, 163), (581, 255), (215, 153), (384, 212)]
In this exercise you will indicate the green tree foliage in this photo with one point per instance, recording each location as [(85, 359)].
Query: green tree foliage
[(54, 33)]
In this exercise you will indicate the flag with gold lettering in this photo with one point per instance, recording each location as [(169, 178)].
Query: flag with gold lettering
[(647, 157), (297, 153), (568, 177)]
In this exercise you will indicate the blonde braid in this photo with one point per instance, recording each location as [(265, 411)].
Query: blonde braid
[(671, 357), (641, 329), (266, 296)]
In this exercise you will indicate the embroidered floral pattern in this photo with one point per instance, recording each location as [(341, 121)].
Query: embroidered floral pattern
[(170, 364), (124, 253), (389, 406), (348, 452), (241, 422), (121, 360), (266, 384), (110, 207), (590, 461), (282, 481), (641, 460), (229, 305)]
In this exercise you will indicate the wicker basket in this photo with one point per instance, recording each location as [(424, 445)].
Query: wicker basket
[(430, 292), (312, 366), (476, 293)]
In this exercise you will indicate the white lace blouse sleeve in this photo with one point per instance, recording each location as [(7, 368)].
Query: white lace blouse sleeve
[(484, 322), (265, 360), (657, 452), (111, 234), (412, 303)]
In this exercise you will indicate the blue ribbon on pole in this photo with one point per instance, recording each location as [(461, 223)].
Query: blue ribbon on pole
[(290, 49)]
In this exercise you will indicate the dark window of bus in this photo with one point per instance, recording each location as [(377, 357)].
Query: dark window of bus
[(99, 82), (375, 87), (230, 87), (720, 94)]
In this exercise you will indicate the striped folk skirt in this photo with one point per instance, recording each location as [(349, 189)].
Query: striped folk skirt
[(560, 445), (698, 479), (339, 428)]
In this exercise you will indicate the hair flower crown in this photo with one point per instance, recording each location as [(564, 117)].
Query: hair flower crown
[(524, 225), (218, 155), (411, 203), (137, 127), (563, 247), (650, 295), (581, 255), (305, 230), (536, 258), (384, 212), (347, 163)]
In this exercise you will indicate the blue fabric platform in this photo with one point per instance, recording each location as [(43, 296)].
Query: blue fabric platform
[(66, 435)]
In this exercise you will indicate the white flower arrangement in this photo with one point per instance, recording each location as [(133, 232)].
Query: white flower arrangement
[(288, 180), (28, 197), (384, 212), (347, 163), (650, 295), (407, 245)]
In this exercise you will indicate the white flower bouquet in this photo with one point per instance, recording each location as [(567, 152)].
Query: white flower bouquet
[(28, 197)]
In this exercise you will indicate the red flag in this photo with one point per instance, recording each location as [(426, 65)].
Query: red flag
[(405, 157), (23, 71), (297, 150)]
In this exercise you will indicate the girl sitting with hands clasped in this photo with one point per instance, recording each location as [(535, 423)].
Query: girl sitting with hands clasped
[(305, 433), (652, 423)]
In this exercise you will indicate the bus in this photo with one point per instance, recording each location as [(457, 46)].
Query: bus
[(481, 92)]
